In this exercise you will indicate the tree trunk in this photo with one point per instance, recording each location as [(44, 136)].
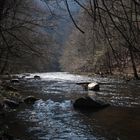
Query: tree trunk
[(133, 63)]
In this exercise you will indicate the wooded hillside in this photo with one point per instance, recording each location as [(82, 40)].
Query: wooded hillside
[(111, 38), (25, 44)]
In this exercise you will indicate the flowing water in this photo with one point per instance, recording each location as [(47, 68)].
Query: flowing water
[(54, 118)]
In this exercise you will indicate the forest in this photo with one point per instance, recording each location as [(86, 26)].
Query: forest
[(110, 42), (25, 37), (106, 40), (69, 69)]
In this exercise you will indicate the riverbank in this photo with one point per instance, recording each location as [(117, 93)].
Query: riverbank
[(12, 100), (118, 75)]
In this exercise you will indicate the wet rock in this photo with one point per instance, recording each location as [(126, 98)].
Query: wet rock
[(14, 81), (30, 100), (36, 77), (89, 86), (10, 103), (89, 103), (94, 86)]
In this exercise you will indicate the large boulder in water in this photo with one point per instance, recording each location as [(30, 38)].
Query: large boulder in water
[(89, 103), (36, 77), (14, 81), (94, 86), (30, 100)]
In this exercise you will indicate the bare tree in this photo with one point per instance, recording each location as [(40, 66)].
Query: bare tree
[(22, 34), (119, 21)]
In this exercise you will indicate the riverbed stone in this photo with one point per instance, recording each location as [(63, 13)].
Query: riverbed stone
[(94, 86), (89, 103), (30, 100), (90, 86), (36, 77), (14, 81)]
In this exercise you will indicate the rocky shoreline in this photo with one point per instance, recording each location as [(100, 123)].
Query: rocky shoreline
[(11, 99)]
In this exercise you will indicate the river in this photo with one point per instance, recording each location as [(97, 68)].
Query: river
[(54, 118)]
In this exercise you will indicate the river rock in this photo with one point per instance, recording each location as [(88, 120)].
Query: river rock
[(10, 103), (36, 77), (94, 86), (14, 81), (30, 100), (89, 103)]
